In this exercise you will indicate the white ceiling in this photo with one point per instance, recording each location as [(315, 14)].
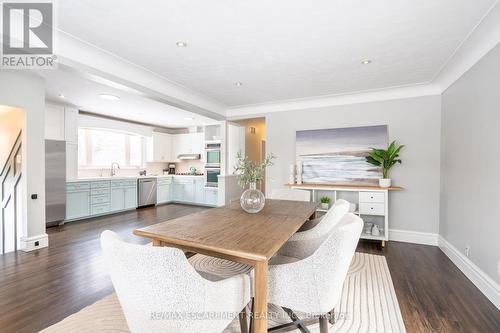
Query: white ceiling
[(84, 94), (280, 49)]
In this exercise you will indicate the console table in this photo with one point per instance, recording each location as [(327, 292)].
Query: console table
[(372, 203)]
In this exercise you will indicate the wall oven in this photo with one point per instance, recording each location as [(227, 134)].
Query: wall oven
[(212, 155), (212, 177)]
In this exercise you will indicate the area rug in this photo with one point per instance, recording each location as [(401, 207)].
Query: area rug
[(368, 304)]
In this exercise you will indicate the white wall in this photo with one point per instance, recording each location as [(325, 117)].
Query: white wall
[(26, 91), (414, 122), (470, 201), (11, 123)]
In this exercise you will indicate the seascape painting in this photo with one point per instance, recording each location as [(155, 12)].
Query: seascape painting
[(338, 155)]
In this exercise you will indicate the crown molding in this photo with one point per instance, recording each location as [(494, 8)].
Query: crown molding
[(483, 38), (334, 100), (83, 58)]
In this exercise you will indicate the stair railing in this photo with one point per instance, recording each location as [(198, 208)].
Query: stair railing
[(10, 178)]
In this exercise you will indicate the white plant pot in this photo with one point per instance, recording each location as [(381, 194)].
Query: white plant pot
[(325, 206), (384, 182)]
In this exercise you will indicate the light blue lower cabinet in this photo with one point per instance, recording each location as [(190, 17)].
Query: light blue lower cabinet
[(117, 199), (91, 198), (131, 198), (99, 209), (123, 198), (86, 199), (163, 194), (199, 191), (189, 192), (178, 192), (211, 196), (77, 203)]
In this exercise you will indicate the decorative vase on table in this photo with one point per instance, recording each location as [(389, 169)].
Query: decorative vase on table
[(249, 173), (252, 200)]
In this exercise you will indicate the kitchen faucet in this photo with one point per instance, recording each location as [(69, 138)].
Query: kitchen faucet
[(113, 171)]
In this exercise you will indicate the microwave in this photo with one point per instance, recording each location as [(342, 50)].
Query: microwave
[(212, 155), (212, 177)]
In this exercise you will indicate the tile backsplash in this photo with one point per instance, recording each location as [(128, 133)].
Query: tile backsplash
[(151, 168), (183, 167)]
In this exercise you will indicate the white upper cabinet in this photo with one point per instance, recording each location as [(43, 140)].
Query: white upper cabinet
[(164, 147), (54, 122), (188, 143), (61, 123), (160, 148), (213, 133), (196, 143), (71, 125)]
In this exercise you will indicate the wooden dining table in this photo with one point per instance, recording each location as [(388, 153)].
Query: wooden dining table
[(231, 233)]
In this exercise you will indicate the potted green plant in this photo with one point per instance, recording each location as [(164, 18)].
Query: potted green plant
[(249, 173), (325, 202), (386, 159)]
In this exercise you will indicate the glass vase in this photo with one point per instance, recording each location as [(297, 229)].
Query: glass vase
[(252, 200)]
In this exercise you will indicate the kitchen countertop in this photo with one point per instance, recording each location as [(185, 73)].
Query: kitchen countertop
[(91, 179)]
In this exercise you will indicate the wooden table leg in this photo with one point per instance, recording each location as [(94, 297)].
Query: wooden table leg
[(260, 298), (156, 242)]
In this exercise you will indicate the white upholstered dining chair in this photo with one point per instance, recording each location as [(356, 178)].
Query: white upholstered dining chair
[(307, 276), (290, 194), (316, 228), (317, 276), (159, 290), (338, 209)]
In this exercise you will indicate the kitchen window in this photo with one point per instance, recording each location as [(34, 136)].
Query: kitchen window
[(98, 148)]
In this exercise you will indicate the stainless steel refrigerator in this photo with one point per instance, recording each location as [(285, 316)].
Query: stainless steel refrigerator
[(55, 182)]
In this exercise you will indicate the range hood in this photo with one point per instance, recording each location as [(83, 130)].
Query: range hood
[(189, 156)]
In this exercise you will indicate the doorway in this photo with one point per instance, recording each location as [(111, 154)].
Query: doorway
[(255, 143)]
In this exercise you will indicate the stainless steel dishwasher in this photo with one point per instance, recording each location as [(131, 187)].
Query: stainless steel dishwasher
[(146, 188)]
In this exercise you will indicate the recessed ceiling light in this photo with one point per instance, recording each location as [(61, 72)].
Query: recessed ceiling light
[(181, 44), (109, 97), (61, 96), (366, 61), (238, 84), (188, 118)]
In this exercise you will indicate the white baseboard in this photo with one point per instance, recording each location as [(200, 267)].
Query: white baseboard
[(34, 242), (481, 280), (407, 236)]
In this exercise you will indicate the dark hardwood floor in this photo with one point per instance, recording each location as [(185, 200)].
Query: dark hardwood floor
[(40, 288)]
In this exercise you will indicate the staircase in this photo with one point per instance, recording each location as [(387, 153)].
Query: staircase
[(10, 196)]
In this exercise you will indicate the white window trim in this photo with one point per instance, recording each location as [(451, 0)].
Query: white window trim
[(127, 166)]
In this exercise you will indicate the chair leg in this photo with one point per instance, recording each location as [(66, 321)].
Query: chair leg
[(296, 321), (323, 324), (243, 316), (250, 329), (331, 317)]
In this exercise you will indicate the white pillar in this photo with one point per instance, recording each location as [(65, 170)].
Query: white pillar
[(26, 91)]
